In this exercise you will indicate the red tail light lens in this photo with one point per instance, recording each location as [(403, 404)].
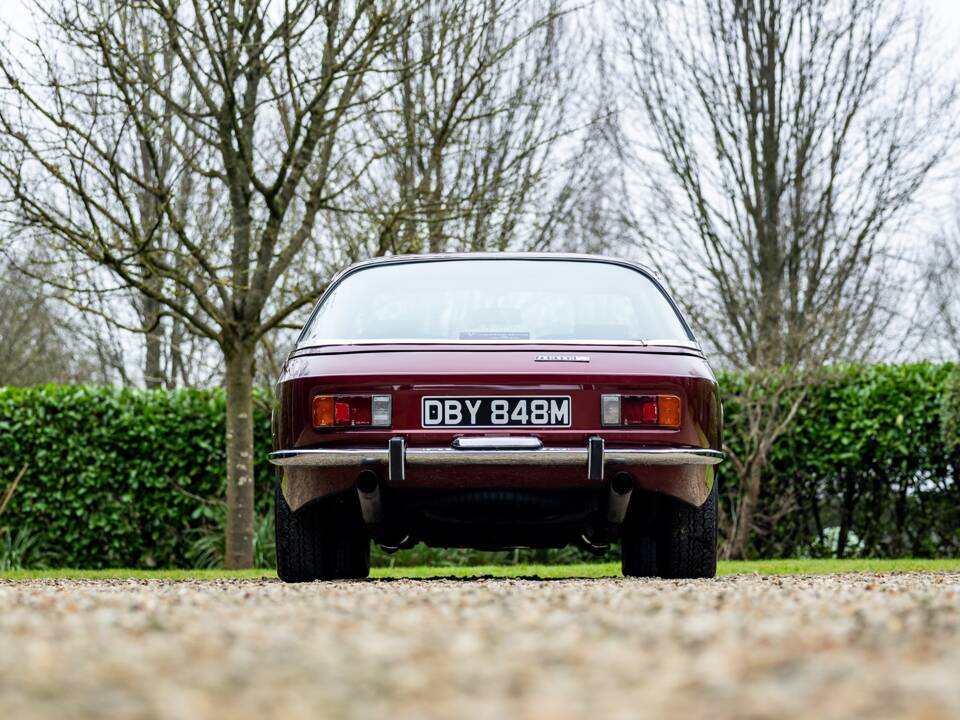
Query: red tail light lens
[(351, 411), (640, 411)]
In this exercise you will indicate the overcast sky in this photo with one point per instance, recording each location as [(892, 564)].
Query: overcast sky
[(937, 207), (948, 13), (940, 202), (944, 13)]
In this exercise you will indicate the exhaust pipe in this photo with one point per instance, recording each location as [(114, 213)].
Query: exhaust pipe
[(368, 490), (618, 499)]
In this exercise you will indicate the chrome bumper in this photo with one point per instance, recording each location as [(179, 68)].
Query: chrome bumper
[(398, 456)]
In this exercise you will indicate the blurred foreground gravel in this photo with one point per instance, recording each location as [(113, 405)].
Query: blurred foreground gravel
[(854, 646)]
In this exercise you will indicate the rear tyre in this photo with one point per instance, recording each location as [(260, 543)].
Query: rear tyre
[(638, 545), (326, 541), (680, 541), (687, 538)]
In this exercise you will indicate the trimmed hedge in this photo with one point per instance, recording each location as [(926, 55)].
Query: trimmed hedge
[(863, 471), (128, 478), (950, 411), (118, 477)]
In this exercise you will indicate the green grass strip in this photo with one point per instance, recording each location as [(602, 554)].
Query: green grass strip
[(590, 570)]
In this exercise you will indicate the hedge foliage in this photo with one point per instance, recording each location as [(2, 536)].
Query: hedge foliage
[(130, 478), (863, 470), (950, 411), (118, 477)]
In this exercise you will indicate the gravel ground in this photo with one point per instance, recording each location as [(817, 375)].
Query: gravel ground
[(841, 646)]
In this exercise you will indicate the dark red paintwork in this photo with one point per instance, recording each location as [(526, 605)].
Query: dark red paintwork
[(408, 372)]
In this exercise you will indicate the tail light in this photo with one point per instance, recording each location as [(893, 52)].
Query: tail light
[(352, 411), (640, 410)]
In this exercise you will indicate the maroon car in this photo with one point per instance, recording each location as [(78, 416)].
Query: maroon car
[(496, 401)]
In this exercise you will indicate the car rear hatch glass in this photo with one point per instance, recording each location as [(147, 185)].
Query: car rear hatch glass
[(506, 300)]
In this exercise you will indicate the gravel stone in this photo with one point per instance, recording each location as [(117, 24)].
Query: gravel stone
[(841, 646)]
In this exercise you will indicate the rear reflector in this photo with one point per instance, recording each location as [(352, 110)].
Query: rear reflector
[(640, 411), (351, 411)]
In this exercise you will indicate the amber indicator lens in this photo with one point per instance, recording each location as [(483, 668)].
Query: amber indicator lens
[(323, 411), (351, 411), (668, 411)]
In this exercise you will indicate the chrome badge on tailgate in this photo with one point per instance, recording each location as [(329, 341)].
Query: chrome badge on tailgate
[(562, 358)]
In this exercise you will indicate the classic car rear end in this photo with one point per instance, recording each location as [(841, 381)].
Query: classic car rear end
[(496, 401)]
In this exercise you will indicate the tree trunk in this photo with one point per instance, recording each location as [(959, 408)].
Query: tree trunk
[(240, 497), (815, 510), (153, 376), (846, 514), (749, 494)]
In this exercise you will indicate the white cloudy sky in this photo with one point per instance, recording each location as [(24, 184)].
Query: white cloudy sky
[(945, 16), (947, 12), (943, 35), (941, 201)]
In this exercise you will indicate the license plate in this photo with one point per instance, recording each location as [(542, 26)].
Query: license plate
[(492, 411)]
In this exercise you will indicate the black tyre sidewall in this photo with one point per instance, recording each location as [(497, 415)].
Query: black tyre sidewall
[(326, 541)]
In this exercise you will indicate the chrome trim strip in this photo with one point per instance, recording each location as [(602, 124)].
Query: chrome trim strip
[(498, 443), (356, 457), (339, 457), (666, 342), (347, 342), (664, 456)]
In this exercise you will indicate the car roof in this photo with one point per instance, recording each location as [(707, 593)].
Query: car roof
[(433, 257)]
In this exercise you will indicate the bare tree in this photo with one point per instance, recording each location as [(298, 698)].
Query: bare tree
[(787, 141), (132, 348), (484, 138), (249, 107), (944, 281), (38, 341)]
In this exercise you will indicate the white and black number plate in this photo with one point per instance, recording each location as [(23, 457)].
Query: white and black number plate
[(497, 411)]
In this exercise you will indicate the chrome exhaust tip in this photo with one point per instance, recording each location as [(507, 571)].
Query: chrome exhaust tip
[(618, 498), (368, 490)]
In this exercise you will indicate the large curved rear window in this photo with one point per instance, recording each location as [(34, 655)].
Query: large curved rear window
[(551, 300)]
